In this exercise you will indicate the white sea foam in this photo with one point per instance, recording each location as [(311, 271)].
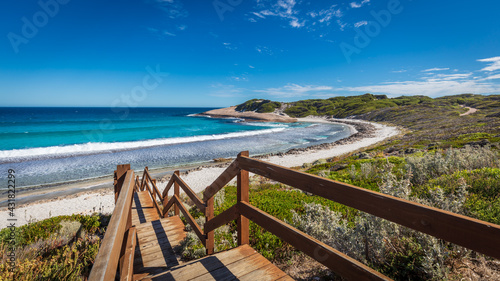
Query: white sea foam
[(102, 147)]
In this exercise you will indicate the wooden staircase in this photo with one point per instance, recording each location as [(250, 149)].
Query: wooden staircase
[(157, 240), (141, 239)]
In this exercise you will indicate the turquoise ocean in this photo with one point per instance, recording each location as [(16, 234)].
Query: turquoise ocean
[(57, 145)]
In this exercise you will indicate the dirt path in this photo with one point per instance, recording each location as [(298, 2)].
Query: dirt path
[(471, 110)]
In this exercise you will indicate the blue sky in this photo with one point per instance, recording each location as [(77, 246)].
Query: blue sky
[(223, 52)]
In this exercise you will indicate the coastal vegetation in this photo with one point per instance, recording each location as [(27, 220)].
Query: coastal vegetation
[(260, 106), (59, 248)]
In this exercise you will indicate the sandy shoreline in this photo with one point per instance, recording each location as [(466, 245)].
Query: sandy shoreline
[(102, 199)]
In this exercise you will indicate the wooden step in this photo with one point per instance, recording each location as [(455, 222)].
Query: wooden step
[(156, 244), (241, 263), (143, 209)]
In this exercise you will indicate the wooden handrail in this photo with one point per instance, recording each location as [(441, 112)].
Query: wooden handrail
[(328, 256), (175, 201), (471, 233), (167, 188), (189, 192), (106, 263), (127, 261), (223, 218), (226, 176)]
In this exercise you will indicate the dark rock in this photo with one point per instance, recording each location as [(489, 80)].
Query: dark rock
[(390, 149), (364, 155), (481, 143), (338, 167), (410, 150)]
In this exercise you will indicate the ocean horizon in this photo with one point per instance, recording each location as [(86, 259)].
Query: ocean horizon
[(53, 145)]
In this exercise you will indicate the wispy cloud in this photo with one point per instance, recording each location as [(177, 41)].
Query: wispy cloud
[(399, 71), (494, 64), (429, 84), (294, 90), (229, 46), (435, 69), (493, 77), (283, 9), (360, 24), (225, 91), (360, 4), (264, 50), (296, 17), (173, 8)]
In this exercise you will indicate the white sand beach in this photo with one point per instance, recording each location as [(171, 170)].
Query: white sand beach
[(198, 180)]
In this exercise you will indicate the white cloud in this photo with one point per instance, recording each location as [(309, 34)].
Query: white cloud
[(493, 77), (435, 69), (428, 88), (168, 33), (434, 85), (251, 66), (264, 50), (229, 46), (294, 90), (225, 91), (356, 5), (494, 64), (399, 71), (360, 24), (295, 17)]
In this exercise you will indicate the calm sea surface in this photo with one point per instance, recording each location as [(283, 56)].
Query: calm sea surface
[(54, 145)]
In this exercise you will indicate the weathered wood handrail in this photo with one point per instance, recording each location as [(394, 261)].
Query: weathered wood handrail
[(108, 258), (345, 266), (153, 191), (175, 202), (471, 233)]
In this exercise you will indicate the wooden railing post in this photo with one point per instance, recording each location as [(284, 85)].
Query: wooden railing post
[(119, 176), (242, 196), (176, 192), (209, 236)]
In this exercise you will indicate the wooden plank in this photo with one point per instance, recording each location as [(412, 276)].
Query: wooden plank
[(155, 203), (155, 248), (196, 228), (221, 181), (176, 193), (127, 269), (165, 222), (146, 210), (167, 188), (333, 259), (119, 177), (143, 179), (209, 234), (223, 218), (268, 272), (471, 233), (207, 264), (137, 186), (189, 192), (146, 242), (233, 270), (243, 196), (168, 206), (106, 262)]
